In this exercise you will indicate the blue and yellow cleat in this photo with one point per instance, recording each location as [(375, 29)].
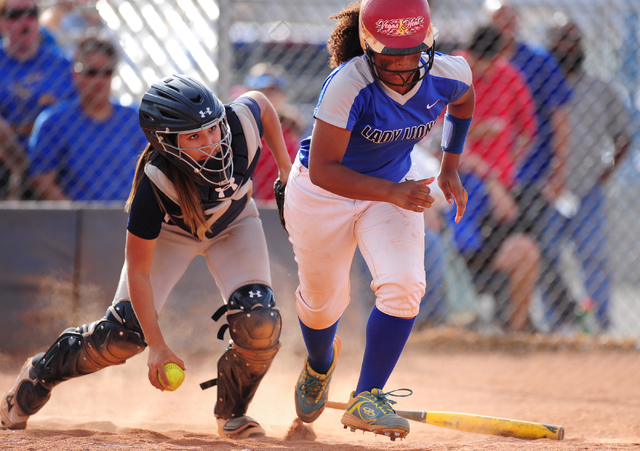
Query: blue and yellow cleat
[(372, 412), (312, 388)]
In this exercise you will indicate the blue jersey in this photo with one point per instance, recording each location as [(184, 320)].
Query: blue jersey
[(386, 125), (28, 87), (549, 89), (94, 160)]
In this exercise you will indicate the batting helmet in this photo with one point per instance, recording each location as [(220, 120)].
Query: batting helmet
[(180, 104), (397, 28)]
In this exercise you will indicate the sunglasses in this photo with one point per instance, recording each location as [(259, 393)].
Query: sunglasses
[(15, 14), (96, 72)]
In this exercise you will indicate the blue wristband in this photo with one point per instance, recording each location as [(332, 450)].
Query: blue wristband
[(454, 133)]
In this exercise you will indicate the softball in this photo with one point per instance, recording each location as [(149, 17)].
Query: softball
[(174, 374)]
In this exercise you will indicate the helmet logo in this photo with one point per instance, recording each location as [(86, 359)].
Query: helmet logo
[(400, 27), (207, 111)]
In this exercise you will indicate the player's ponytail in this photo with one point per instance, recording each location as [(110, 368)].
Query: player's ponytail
[(344, 41), (188, 195), (142, 162)]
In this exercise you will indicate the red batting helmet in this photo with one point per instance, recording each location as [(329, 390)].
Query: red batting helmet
[(396, 28)]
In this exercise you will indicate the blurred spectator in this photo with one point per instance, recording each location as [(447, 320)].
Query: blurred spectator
[(51, 17), (69, 21), (503, 260), (34, 77), (600, 137), (504, 122), (541, 176), (84, 149), (270, 80), (507, 268)]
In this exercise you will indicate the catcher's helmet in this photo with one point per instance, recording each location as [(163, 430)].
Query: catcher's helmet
[(396, 28), (180, 104)]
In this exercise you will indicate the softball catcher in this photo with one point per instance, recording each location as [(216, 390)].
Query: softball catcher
[(191, 196)]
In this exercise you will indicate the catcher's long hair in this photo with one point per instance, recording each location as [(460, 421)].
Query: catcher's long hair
[(188, 196), (344, 41)]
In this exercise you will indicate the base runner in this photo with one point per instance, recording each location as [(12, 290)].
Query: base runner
[(353, 184)]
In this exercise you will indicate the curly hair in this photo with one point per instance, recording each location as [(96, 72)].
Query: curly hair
[(344, 41)]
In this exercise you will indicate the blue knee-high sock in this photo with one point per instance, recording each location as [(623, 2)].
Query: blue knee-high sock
[(319, 346), (386, 337)]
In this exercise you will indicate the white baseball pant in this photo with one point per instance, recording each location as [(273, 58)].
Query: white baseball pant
[(325, 228), (238, 256)]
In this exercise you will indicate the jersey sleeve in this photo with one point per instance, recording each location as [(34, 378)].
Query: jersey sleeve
[(455, 68), (146, 215), (341, 97), (46, 146)]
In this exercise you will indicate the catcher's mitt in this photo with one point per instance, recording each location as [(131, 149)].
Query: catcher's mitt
[(278, 191)]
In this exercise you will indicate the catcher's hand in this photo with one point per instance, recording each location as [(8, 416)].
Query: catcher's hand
[(278, 191)]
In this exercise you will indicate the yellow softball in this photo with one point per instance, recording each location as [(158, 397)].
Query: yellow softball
[(174, 374)]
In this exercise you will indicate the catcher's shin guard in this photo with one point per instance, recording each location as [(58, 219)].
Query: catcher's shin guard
[(254, 326), (82, 350)]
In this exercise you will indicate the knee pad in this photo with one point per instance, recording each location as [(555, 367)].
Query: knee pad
[(253, 321), (89, 348), (254, 325)]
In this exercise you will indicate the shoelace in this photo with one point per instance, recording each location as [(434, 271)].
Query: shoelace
[(315, 387), (382, 400)]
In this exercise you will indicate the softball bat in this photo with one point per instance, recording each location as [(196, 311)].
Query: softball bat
[(479, 424)]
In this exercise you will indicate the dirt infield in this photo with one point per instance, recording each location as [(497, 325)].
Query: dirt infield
[(593, 394)]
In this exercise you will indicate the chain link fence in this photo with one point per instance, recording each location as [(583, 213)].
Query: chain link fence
[(221, 41)]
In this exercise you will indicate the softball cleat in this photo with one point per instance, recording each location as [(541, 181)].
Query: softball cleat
[(312, 388), (240, 428), (11, 415), (372, 412)]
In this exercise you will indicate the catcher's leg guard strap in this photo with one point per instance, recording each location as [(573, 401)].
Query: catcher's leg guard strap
[(255, 333), (87, 349)]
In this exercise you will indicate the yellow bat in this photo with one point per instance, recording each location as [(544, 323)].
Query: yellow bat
[(479, 424)]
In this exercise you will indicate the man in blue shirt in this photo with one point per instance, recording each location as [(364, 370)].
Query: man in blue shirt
[(34, 77), (85, 149), (541, 176)]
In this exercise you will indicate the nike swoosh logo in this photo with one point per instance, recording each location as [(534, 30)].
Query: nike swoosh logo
[(432, 105)]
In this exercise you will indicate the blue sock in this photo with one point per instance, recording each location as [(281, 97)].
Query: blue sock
[(386, 337), (319, 346)]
